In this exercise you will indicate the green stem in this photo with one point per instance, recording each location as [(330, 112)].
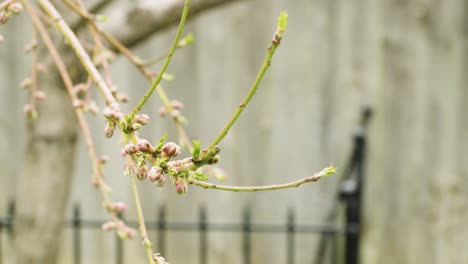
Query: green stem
[(324, 173), (141, 220), (253, 89), (156, 82)]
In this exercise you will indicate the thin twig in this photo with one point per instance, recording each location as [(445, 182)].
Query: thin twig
[(155, 83), (266, 64), (324, 173), (137, 62), (97, 170), (80, 52)]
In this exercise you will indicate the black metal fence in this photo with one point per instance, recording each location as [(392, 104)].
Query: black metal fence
[(350, 195)]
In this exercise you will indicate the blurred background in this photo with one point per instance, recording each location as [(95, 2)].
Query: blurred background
[(407, 59)]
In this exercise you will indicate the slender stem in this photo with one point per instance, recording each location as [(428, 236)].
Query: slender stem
[(253, 89), (297, 183), (97, 170), (141, 220), (155, 83), (140, 66), (80, 52)]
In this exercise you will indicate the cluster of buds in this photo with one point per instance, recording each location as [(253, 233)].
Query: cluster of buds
[(124, 231), (10, 10), (113, 117), (156, 175)]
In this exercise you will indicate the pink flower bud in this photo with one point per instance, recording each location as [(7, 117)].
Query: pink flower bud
[(180, 185), (145, 147), (40, 95), (141, 119), (1, 39), (16, 8), (41, 67), (26, 83), (170, 150), (109, 130), (80, 89), (4, 16), (109, 114), (142, 171), (177, 105), (108, 226), (162, 111), (155, 173), (161, 181), (122, 97), (30, 111), (130, 149), (78, 104), (119, 206)]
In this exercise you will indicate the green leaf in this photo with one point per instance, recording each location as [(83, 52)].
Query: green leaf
[(196, 149), (282, 23), (200, 176), (102, 18), (327, 171), (167, 77), (161, 142), (187, 40)]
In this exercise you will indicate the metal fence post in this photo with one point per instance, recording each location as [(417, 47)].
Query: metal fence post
[(246, 236), (119, 245), (202, 229), (290, 229), (351, 191), (161, 227), (76, 225)]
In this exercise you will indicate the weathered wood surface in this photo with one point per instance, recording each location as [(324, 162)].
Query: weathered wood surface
[(406, 58)]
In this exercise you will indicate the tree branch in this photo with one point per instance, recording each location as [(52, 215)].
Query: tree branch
[(140, 22)]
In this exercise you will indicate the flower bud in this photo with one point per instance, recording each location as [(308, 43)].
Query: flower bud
[(119, 206), (109, 130), (136, 126), (80, 89), (162, 111), (4, 16), (130, 149), (109, 114), (26, 83), (177, 105), (155, 173), (161, 181), (145, 147), (141, 119), (1, 39), (180, 185), (108, 226), (78, 104), (142, 171), (126, 232), (40, 95), (30, 111), (123, 98), (170, 150), (16, 8)]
